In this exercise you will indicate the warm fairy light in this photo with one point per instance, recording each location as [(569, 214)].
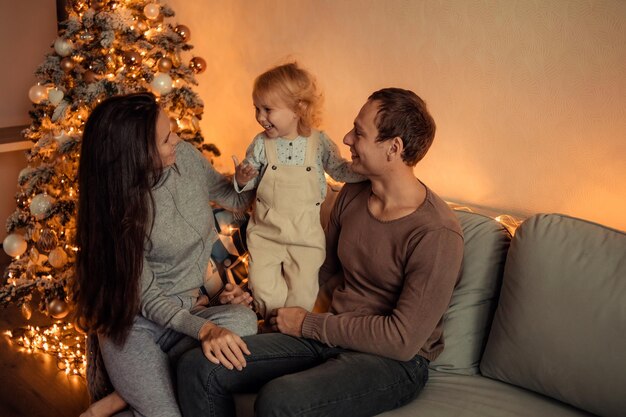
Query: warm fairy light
[(61, 341)]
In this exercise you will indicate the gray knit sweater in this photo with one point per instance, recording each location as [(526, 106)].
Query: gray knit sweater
[(179, 248)]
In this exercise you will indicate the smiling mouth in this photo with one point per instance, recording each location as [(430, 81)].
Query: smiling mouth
[(267, 127)]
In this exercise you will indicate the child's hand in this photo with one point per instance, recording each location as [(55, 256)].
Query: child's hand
[(244, 172), (233, 294)]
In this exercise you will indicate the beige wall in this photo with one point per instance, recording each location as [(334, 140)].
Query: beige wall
[(529, 96)]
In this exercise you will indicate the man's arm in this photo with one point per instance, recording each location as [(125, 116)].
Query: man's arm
[(424, 298)]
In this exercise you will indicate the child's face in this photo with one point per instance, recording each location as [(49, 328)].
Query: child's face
[(166, 140), (276, 117)]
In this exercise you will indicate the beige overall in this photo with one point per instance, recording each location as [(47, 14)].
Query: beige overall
[(285, 238)]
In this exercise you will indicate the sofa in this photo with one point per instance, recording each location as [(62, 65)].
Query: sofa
[(536, 325)]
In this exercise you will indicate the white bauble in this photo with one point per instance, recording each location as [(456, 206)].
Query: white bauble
[(38, 93), (162, 83), (40, 204), (55, 96), (14, 245), (152, 10), (63, 47), (57, 257)]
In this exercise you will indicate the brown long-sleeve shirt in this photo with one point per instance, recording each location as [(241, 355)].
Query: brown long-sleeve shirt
[(395, 277)]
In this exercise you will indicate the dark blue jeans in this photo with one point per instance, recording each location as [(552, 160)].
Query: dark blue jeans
[(299, 377)]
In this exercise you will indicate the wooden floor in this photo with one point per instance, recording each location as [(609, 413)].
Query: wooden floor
[(31, 385)]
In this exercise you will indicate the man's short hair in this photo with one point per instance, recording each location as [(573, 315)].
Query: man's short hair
[(402, 113)]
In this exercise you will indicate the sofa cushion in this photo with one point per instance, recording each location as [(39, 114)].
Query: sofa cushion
[(560, 326), (449, 395), (468, 319)]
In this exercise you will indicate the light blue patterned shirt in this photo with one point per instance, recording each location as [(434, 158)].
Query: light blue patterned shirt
[(292, 152)]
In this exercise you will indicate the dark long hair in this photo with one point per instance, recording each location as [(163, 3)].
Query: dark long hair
[(119, 166)]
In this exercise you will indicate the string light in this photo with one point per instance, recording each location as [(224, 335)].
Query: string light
[(61, 340)]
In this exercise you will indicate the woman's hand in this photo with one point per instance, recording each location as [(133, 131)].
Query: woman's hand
[(244, 172), (221, 346), (233, 294)]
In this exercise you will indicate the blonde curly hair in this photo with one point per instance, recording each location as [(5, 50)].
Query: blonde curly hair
[(297, 88)]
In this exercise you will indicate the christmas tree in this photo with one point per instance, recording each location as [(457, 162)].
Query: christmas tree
[(104, 48)]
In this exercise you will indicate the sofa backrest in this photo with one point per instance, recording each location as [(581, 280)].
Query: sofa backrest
[(560, 325), (468, 319)]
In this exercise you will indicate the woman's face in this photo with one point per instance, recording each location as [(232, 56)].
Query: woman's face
[(166, 140)]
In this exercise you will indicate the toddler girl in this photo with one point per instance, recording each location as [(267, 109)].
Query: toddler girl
[(286, 163)]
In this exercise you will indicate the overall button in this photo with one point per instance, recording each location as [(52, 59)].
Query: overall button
[(274, 167), (258, 199), (308, 168), (317, 204)]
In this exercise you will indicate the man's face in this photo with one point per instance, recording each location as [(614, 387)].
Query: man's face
[(368, 156)]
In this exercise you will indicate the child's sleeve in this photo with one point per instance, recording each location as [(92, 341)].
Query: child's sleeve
[(334, 164), (255, 156)]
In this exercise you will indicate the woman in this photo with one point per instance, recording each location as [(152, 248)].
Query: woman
[(145, 235)]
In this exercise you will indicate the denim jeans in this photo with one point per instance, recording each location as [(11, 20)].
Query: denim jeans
[(299, 377)]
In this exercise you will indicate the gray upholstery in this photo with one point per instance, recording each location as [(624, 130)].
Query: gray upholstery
[(560, 326), (468, 319)]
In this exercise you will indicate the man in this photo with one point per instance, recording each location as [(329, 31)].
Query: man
[(395, 250)]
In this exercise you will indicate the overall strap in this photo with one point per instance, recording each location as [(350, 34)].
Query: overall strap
[(270, 151)]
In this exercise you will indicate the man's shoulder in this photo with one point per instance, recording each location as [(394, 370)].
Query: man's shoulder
[(439, 213)]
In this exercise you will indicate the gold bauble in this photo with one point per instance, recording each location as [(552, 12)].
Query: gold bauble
[(58, 308), (89, 77), (57, 258), (183, 31), (47, 240), (67, 64), (142, 26), (132, 58), (197, 64), (164, 64)]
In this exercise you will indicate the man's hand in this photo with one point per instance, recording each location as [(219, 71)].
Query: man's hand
[(233, 294), (244, 172), (221, 346), (288, 320)]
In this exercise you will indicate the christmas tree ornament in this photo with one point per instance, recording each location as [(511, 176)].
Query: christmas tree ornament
[(14, 245), (57, 258), (162, 83), (87, 36), (142, 26), (175, 57), (89, 77), (26, 310), (58, 308), (179, 83), (47, 240), (33, 255), (164, 65), (40, 204), (98, 4), (67, 64), (132, 58), (197, 64), (63, 47), (152, 11), (38, 93), (55, 96), (183, 31)]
